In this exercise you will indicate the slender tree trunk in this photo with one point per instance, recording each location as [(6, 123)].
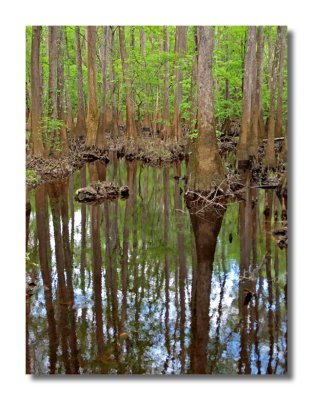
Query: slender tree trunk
[(146, 123), (101, 140), (130, 116), (61, 91), (260, 58), (256, 112), (180, 49), (36, 139), (248, 86), (92, 117), (193, 88), (205, 169), (270, 160), (280, 84), (81, 116), (166, 106), (53, 71), (68, 100), (115, 130)]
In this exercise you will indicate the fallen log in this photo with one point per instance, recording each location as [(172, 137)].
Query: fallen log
[(98, 191)]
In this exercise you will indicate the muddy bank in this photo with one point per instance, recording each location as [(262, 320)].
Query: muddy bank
[(151, 151)]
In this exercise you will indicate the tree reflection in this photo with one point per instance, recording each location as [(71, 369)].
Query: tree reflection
[(42, 221), (137, 291), (58, 193), (206, 223)]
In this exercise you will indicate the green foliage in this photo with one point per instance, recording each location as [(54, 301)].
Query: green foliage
[(50, 129), (31, 177), (147, 70), (193, 135)]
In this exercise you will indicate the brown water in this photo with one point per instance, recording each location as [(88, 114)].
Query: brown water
[(146, 286)]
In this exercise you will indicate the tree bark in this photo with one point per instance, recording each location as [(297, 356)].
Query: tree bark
[(130, 117), (145, 124), (115, 130), (248, 85), (193, 88), (280, 84), (61, 91), (53, 71), (92, 116), (166, 106), (205, 169), (270, 160), (180, 49), (36, 139), (68, 100), (256, 112), (101, 140), (81, 115)]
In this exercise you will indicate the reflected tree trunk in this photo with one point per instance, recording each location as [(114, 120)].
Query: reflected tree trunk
[(206, 227), (42, 222), (166, 198), (64, 300), (178, 203), (131, 176), (247, 280), (268, 240), (83, 258)]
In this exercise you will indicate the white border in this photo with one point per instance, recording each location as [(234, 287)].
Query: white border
[(14, 17)]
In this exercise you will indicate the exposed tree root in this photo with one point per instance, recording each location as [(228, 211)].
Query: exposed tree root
[(98, 191)]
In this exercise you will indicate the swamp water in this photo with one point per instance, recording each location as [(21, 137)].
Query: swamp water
[(128, 286)]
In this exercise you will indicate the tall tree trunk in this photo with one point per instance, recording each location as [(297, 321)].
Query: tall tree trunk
[(248, 86), (260, 58), (101, 140), (115, 130), (145, 124), (270, 160), (166, 106), (81, 116), (36, 139), (68, 100), (205, 169), (280, 84), (130, 116), (193, 88), (61, 91), (180, 49), (53, 70), (92, 116), (256, 112)]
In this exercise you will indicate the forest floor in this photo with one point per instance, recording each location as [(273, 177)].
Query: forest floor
[(153, 151)]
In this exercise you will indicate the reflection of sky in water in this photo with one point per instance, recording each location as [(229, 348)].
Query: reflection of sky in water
[(153, 344)]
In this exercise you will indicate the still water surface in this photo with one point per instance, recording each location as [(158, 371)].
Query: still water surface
[(147, 286)]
